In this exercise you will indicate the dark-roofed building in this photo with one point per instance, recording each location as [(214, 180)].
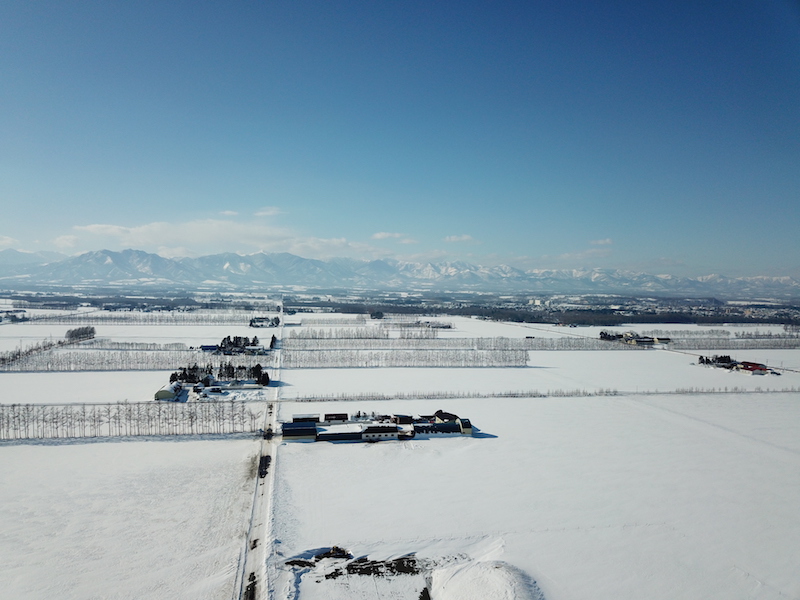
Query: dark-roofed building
[(441, 416), (299, 431), (335, 418), (305, 418)]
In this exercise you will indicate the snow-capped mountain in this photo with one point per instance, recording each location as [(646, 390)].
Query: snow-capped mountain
[(262, 270)]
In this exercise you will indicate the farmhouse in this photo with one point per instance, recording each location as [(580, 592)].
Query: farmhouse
[(752, 368)]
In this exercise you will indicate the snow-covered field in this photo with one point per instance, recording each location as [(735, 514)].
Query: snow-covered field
[(88, 387), (548, 372), (638, 495), (27, 334), (605, 497), (141, 519)]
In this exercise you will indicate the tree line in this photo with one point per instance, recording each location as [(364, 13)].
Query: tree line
[(72, 336), (78, 334), (167, 317), (298, 359), (122, 419), (113, 360), (224, 372)]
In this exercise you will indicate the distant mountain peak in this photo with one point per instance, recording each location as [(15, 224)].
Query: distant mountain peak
[(261, 270)]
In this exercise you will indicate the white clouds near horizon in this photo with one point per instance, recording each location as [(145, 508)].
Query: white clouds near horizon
[(452, 239), (268, 211), (209, 236)]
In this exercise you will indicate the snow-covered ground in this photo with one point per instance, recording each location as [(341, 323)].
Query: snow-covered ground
[(89, 387), (27, 334), (551, 371), (629, 496), (133, 519), (606, 497)]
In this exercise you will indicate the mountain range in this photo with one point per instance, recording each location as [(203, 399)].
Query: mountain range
[(228, 271)]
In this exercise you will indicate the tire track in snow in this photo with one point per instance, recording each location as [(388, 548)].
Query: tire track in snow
[(717, 428)]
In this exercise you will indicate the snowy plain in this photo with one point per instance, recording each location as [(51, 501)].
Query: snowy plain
[(124, 519), (547, 372), (605, 497), (632, 496), (27, 334)]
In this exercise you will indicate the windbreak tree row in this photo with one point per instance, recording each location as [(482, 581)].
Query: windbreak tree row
[(495, 343), (111, 360), (106, 344), (199, 317), (355, 320), (775, 343), (353, 333), (73, 336), (48, 421), (360, 333), (298, 359)]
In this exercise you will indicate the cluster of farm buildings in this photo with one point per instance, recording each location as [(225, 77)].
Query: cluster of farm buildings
[(633, 338), (180, 392), (340, 427), (725, 362)]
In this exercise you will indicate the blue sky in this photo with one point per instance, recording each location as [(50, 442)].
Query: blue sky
[(653, 136)]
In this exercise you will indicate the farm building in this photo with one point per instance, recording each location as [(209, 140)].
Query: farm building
[(335, 418), (170, 393), (339, 427), (305, 418), (299, 431), (752, 368), (379, 433)]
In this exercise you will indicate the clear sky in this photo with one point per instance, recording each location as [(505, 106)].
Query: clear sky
[(659, 136)]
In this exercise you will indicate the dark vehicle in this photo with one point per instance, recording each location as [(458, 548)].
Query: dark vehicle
[(263, 465)]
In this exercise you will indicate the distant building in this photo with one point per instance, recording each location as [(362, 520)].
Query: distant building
[(752, 368)]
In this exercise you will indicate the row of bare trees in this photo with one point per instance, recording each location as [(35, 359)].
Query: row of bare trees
[(494, 343), (686, 333), (120, 360), (357, 320), (107, 344), (351, 333), (299, 359), (167, 317), (73, 336), (47, 421), (775, 343)]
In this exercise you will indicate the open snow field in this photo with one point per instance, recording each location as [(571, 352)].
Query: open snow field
[(132, 519), (635, 497), (90, 387), (549, 371), (640, 495), (28, 334)]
